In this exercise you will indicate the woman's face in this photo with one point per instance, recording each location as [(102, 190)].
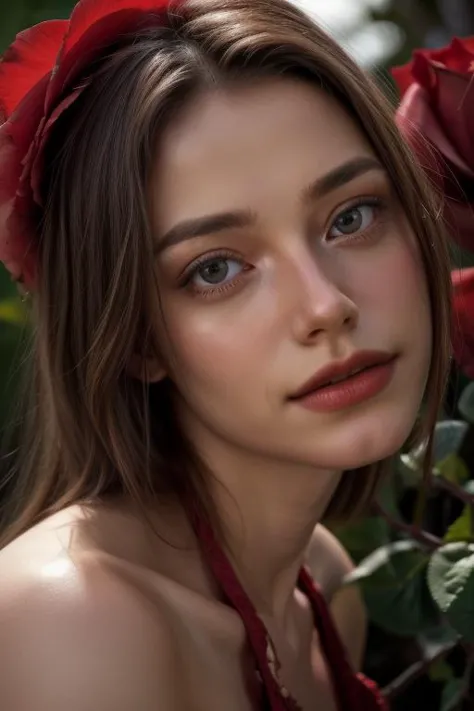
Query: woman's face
[(282, 248)]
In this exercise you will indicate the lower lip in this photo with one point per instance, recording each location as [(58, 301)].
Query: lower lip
[(352, 391)]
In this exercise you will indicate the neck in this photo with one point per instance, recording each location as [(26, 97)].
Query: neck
[(268, 511)]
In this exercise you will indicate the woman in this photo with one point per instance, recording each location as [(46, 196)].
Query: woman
[(241, 299)]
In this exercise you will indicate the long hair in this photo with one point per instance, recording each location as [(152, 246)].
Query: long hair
[(92, 432)]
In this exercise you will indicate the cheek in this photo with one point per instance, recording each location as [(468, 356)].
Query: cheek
[(215, 346), (396, 284)]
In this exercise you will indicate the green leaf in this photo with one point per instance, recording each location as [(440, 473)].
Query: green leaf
[(393, 583), (440, 671), (434, 642), (452, 695), (409, 470), (388, 497), (448, 438), (466, 403), (462, 528), (7, 285), (13, 311), (434, 639), (469, 487), (451, 583), (452, 468), (360, 538), (385, 566)]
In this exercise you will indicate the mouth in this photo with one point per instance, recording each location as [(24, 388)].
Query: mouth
[(344, 372)]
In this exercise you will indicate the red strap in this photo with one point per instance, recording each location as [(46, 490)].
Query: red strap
[(353, 692), (237, 597)]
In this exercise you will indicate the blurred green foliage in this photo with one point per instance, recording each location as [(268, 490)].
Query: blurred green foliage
[(10, 333)]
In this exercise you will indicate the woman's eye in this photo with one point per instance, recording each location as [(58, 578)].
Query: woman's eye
[(215, 272), (355, 219)]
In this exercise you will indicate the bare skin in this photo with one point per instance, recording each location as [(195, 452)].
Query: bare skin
[(96, 615)]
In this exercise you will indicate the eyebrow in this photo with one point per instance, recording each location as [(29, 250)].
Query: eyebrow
[(340, 176), (212, 224), (201, 226)]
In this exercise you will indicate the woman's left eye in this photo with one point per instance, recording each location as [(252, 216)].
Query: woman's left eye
[(352, 220)]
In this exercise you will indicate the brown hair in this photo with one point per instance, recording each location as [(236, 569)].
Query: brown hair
[(92, 431)]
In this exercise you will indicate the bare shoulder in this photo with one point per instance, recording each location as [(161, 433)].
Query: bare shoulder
[(329, 563), (328, 560), (74, 635)]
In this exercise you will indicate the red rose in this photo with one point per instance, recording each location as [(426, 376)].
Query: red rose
[(38, 81), (463, 312), (437, 89)]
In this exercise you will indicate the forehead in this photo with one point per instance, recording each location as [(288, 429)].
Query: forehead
[(248, 146)]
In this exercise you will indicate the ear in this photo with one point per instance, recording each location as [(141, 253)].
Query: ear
[(148, 370)]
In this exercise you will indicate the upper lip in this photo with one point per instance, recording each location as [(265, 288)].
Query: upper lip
[(342, 369)]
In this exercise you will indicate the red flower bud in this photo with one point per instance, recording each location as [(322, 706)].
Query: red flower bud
[(436, 115)]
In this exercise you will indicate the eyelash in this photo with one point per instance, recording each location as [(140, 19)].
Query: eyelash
[(192, 269), (379, 205)]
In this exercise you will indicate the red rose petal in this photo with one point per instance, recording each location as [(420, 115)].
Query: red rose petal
[(27, 60), (440, 56), (88, 12), (416, 112), (416, 70), (459, 217), (87, 48), (454, 106), (468, 43), (34, 162), (417, 121), (11, 167), (403, 77), (460, 55), (440, 159), (422, 71), (457, 56), (37, 78), (24, 122)]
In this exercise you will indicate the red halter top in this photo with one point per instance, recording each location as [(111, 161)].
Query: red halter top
[(353, 692)]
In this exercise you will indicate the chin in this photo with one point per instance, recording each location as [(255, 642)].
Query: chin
[(363, 442)]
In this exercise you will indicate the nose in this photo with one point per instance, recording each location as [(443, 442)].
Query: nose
[(321, 305)]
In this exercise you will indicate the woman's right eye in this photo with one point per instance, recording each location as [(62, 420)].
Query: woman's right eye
[(215, 271)]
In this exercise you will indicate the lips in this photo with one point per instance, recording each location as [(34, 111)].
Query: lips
[(341, 370)]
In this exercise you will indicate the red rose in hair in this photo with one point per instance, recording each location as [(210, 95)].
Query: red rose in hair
[(39, 76), (463, 342), (437, 89)]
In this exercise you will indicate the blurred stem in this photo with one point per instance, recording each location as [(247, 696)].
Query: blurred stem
[(427, 539), (466, 451), (406, 678), (438, 482), (420, 506), (467, 676)]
